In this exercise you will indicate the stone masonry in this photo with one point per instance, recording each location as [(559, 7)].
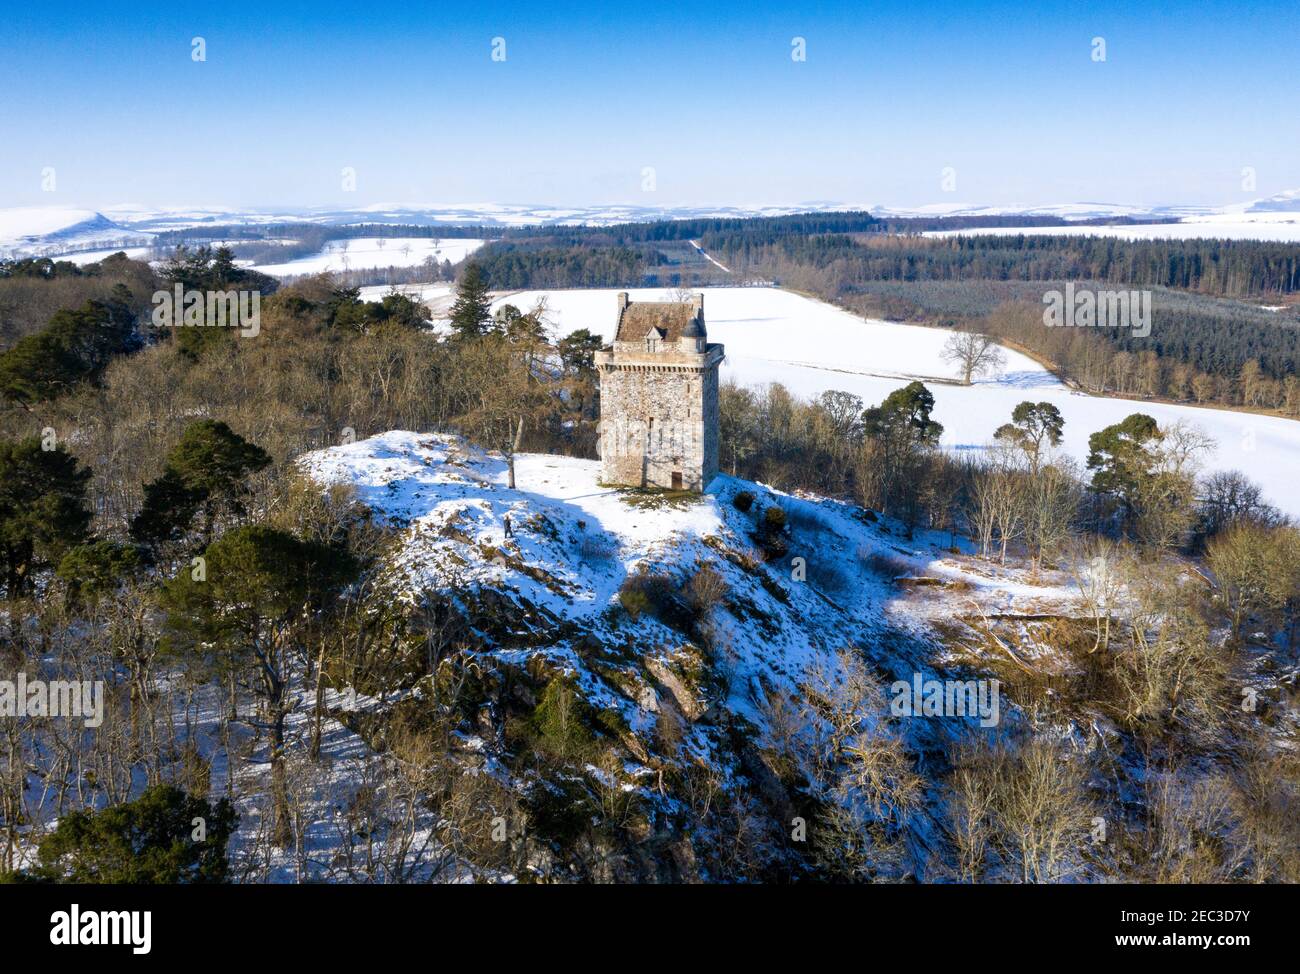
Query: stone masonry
[(659, 397)]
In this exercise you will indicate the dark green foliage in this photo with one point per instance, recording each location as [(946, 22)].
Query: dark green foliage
[(472, 310), (42, 267), (209, 466), (149, 840), (257, 582), (97, 567), (206, 270), (75, 347), (42, 509), (1033, 425), (255, 595), (516, 267), (563, 720), (348, 311), (900, 436), (1226, 267), (771, 532), (578, 350), (743, 501), (1123, 456), (167, 511), (903, 419)]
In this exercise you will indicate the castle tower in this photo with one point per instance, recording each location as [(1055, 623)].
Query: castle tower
[(659, 397)]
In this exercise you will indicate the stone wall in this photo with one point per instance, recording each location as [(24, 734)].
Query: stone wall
[(659, 416)]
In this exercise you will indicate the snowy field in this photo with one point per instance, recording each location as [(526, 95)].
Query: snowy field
[(41, 231), (366, 252), (808, 346), (94, 256), (437, 297), (1274, 227)]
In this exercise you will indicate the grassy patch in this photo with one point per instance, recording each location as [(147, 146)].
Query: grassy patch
[(659, 498)]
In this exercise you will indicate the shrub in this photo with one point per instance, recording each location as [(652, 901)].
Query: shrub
[(770, 532), (563, 719), (883, 563), (634, 598), (706, 589), (657, 595), (743, 501), (149, 840), (596, 548)]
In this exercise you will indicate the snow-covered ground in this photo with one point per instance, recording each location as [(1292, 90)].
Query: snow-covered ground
[(93, 256), (40, 231), (437, 297), (1279, 227), (547, 596), (773, 335), (366, 252), (574, 543)]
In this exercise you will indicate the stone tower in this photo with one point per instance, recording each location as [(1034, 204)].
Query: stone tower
[(659, 397)]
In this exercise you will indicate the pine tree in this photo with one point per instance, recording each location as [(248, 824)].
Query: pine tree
[(149, 840), (76, 345), (207, 468), (258, 588), (472, 311), (43, 509), (1123, 457), (1032, 424)]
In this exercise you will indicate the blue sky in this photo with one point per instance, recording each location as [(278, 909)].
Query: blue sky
[(590, 95)]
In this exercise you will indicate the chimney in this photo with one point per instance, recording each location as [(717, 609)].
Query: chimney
[(698, 300), (622, 300)]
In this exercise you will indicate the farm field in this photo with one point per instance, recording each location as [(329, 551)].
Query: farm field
[(366, 252), (774, 335)]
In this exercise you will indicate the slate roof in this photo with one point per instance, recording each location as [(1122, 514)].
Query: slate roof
[(672, 319)]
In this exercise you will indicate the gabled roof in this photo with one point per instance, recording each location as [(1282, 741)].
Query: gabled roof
[(672, 319)]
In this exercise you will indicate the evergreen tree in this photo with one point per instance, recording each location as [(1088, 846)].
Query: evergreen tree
[(75, 346), (97, 567), (578, 351), (1123, 457), (1032, 425), (245, 612), (150, 840), (472, 310), (904, 418), (42, 509), (207, 468), (899, 433)]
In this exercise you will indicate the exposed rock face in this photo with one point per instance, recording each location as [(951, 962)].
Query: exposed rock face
[(659, 397), (690, 705)]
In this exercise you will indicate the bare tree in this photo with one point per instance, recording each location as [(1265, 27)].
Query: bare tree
[(974, 354)]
